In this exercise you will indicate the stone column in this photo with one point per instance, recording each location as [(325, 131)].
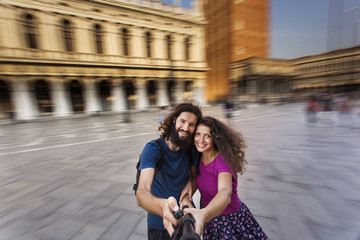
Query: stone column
[(110, 39), (137, 43), (60, 98), (91, 97), (199, 91), (162, 100), (177, 46), (159, 45), (197, 47), (24, 101), (9, 22), (119, 99), (143, 100), (83, 36), (48, 34)]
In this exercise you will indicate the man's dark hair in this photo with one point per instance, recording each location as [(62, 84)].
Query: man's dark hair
[(170, 119)]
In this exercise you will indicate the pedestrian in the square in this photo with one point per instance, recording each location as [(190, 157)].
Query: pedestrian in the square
[(229, 108), (311, 109), (345, 111), (222, 215)]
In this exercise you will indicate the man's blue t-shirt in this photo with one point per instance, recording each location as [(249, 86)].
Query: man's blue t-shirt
[(171, 178)]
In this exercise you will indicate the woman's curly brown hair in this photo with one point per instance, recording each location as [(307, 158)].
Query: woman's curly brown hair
[(229, 143), (169, 121)]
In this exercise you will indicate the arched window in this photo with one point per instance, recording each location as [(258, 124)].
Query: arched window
[(148, 43), (6, 107), (130, 92), (67, 36), (76, 95), (125, 41), (43, 96), (188, 86), (168, 46), (30, 32), (151, 88), (105, 94), (98, 39), (187, 48)]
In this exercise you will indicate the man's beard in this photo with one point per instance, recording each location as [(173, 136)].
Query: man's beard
[(183, 143)]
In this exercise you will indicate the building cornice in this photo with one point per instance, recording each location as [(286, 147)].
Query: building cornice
[(173, 15), (100, 65), (43, 6)]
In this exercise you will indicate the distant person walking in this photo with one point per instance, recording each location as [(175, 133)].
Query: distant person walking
[(355, 102), (345, 111), (311, 109), (228, 107), (327, 116)]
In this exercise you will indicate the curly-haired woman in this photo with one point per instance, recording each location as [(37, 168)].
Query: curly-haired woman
[(222, 215)]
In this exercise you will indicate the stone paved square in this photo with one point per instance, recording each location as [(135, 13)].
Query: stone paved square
[(72, 178)]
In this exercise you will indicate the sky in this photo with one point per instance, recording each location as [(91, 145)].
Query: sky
[(297, 27), (184, 3)]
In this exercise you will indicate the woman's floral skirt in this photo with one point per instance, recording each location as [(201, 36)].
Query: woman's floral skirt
[(238, 225)]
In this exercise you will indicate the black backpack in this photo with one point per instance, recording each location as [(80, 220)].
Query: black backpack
[(158, 164)]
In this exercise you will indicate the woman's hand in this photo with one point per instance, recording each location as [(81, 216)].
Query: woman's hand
[(187, 190), (200, 218)]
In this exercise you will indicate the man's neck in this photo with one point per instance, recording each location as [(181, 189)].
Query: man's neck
[(172, 146)]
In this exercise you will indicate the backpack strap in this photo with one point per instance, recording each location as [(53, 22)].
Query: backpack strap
[(162, 157), (157, 167)]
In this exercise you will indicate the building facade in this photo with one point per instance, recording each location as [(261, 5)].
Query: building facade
[(337, 71), (62, 57), (255, 79), (236, 30)]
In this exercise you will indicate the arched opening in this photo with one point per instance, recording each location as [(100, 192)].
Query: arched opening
[(76, 95), (168, 46), (151, 88), (188, 89), (148, 43), (130, 94), (43, 98), (187, 48), (171, 91), (105, 95), (30, 29), (125, 42), (98, 39), (67, 35), (6, 108)]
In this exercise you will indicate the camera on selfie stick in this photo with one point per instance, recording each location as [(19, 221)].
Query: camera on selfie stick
[(186, 229)]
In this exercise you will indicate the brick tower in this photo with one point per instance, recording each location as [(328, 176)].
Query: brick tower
[(237, 29)]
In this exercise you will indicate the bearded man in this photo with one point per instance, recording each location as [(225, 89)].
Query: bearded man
[(159, 193)]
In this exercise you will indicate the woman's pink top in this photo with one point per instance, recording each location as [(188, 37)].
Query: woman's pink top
[(207, 183)]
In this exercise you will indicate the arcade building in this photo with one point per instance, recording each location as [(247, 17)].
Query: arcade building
[(65, 57)]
